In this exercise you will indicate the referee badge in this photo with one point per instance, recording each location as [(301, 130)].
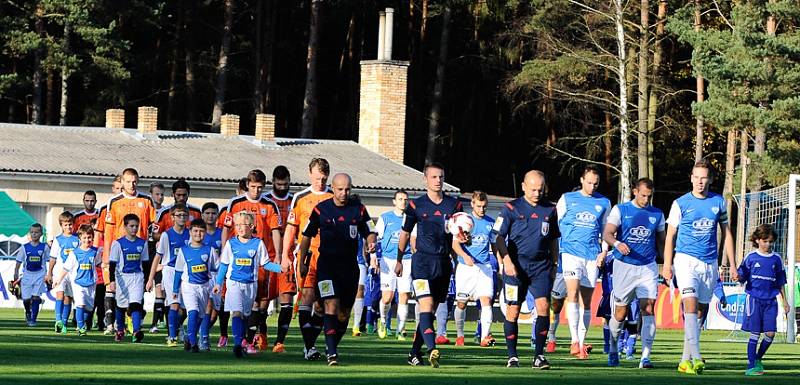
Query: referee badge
[(545, 228), (353, 231)]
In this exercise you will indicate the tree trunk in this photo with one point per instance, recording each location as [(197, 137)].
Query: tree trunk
[(37, 113), (310, 97), (50, 99), (652, 109), (760, 142), (436, 103), (62, 116), (259, 68), (548, 111), (172, 95), (608, 147), (423, 29), (222, 68), (642, 105), (730, 169), (701, 89), (189, 69), (625, 161), (269, 52)]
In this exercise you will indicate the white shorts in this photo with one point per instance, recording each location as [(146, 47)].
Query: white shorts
[(240, 297), (216, 299), (390, 281), (634, 281), (695, 277), (559, 290), (66, 284), (167, 282), (130, 288), (195, 296), (32, 283), (83, 296), (362, 275), (575, 267), (474, 281)]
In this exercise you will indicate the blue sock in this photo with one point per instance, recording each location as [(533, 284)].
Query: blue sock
[(511, 329), (630, 344), (205, 325), (35, 308), (79, 317), (237, 326), (416, 345), (752, 344), (762, 349), (426, 326), (606, 338), (136, 317), (621, 341), (192, 332), (65, 313), (330, 326), (119, 318), (59, 309), (172, 322)]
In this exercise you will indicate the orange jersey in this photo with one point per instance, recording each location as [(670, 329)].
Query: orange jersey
[(221, 218), (82, 217), (165, 222), (283, 206), (300, 210), (266, 212), (121, 205)]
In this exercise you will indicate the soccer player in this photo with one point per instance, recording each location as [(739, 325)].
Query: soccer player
[(90, 214), (224, 315), (430, 264), (557, 296), (193, 267), (763, 274), (108, 304), (529, 224), (59, 251), (126, 278), (388, 229), (80, 265), (157, 194), (267, 227), (636, 231), (299, 212), (474, 275), (693, 220), (213, 239), (180, 196), (30, 257), (285, 283), (238, 269), (338, 222), (166, 256), (581, 217)]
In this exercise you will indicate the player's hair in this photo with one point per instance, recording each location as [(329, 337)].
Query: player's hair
[(647, 182), (590, 168), (178, 207), (320, 163), (764, 231), (90, 193), (117, 179), (479, 196), (179, 184), (155, 185), (198, 222), (704, 163), (244, 214), (85, 229), (209, 205), (130, 171), (242, 184), (64, 217), (432, 165), (399, 191), (37, 225), (257, 176), (280, 173), (130, 217)]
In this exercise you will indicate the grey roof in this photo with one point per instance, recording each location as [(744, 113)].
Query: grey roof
[(99, 151)]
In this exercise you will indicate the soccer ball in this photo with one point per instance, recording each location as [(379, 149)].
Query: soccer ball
[(460, 222)]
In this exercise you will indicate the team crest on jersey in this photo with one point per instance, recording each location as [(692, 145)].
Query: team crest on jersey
[(652, 220), (263, 211), (353, 231), (715, 210), (251, 253), (140, 204), (204, 257), (545, 228), (139, 249), (39, 252), (74, 244), (598, 208)]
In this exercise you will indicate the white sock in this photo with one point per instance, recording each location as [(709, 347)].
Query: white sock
[(573, 317), (358, 310), (687, 354), (384, 310), (441, 320), (486, 321), (692, 335), (583, 327), (461, 317), (648, 334), (402, 314), (614, 328), (416, 313), (551, 333)]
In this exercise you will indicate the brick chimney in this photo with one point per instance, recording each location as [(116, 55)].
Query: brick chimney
[(382, 107), (229, 126), (147, 120), (265, 127), (115, 118)]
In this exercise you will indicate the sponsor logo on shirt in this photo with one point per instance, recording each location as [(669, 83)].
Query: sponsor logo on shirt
[(702, 226), (132, 257), (244, 262), (639, 234), (585, 219), (85, 266), (198, 268)]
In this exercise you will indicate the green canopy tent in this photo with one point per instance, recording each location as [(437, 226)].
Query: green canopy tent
[(14, 225)]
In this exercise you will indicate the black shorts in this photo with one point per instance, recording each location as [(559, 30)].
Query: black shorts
[(430, 276), (533, 278), (338, 284)]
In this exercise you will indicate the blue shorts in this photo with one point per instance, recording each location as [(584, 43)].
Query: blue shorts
[(604, 308), (533, 279), (760, 315)]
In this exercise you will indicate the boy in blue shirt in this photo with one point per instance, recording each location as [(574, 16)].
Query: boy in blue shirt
[(80, 265), (192, 274), (127, 278), (31, 257), (62, 246), (763, 274)]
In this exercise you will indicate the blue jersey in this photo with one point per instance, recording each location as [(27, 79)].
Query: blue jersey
[(388, 230), (194, 264), (762, 274), (32, 257), (360, 253), (63, 245), (338, 228), (696, 220), (169, 244), (607, 274), (128, 255), (430, 219), (637, 227), (479, 247), (528, 230), (80, 264), (581, 220), (240, 260), (214, 240)]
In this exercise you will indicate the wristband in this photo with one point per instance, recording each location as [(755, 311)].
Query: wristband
[(616, 243)]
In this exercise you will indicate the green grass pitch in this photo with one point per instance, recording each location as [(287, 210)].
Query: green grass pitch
[(38, 356)]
